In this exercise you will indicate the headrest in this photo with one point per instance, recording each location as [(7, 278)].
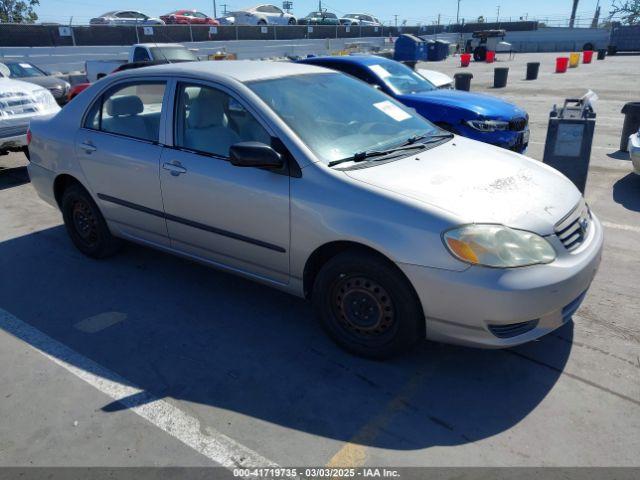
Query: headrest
[(207, 109), (125, 105)]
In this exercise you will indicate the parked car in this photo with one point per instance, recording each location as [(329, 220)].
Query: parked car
[(363, 19), (312, 182), (437, 79), (21, 102), (259, 15), (140, 52), (186, 17), (477, 116), (125, 17), (319, 18), (28, 72)]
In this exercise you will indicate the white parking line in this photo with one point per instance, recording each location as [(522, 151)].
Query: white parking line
[(619, 226), (214, 445)]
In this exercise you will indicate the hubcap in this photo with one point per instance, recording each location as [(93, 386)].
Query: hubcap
[(363, 307), (85, 222)]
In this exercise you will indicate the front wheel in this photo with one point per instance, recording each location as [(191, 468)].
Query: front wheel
[(367, 306), (86, 225), (262, 22), (292, 21)]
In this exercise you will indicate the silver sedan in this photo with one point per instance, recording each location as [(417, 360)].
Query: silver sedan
[(312, 182)]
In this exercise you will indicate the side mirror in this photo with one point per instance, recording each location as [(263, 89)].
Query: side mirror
[(255, 154)]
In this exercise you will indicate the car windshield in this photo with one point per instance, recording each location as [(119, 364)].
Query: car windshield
[(400, 78), (337, 116), (352, 15), (173, 54), (24, 70)]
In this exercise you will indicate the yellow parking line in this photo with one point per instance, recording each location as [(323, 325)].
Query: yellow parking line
[(354, 452)]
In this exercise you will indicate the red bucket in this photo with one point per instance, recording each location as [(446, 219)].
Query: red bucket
[(587, 55), (465, 59), (561, 64), (491, 56)]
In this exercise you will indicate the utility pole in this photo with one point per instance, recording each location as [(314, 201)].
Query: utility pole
[(396, 20), (498, 14), (215, 9), (596, 16), (224, 8), (458, 14), (574, 9)]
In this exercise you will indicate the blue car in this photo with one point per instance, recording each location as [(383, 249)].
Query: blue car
[(480, 117)]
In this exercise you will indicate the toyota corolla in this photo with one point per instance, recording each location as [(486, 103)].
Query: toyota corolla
[(312, 182)]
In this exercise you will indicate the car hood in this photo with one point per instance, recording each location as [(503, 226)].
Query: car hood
[(12, 85), (479, 183), (46, 82), (481, 104)]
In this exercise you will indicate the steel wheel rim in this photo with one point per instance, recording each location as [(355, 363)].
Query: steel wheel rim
[(85, 222), (363, 308)]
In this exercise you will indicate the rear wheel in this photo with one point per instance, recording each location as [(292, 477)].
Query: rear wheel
[(367, 306), (292, 21), (262, 22), (86, 225)]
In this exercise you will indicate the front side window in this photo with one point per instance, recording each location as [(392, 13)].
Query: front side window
[(132, 110), (337, 116), (211, 121)]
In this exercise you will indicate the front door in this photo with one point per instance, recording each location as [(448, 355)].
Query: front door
[(119, 153), (234, 216)]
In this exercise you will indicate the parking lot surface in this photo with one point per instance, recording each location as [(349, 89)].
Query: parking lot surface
[(145, 359)]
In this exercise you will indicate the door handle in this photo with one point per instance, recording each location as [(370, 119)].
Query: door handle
[(174, 168), (88, 147)]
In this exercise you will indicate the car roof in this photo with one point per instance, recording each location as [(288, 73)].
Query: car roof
[(240, 70), (366, 60)]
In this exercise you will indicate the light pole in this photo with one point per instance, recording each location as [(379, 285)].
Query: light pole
[(215, 9), (458, 14)]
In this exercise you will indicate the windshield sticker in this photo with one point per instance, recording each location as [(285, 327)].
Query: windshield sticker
[(392, 110), (380, 71)]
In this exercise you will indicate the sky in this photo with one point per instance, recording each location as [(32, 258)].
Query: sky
[(414, 11)]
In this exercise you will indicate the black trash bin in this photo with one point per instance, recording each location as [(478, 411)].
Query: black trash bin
[(463, 81), (602, 52), (631, 124), (500, 77), (532, 70)]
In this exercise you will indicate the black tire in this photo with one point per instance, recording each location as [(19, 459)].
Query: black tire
[(480, 54), (367, 306), (262, 22), (587, 46), (292, 21), (86, 225)]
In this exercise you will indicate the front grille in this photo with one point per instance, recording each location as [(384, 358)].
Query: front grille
[(512, 329), (573, 229), (518, 124)]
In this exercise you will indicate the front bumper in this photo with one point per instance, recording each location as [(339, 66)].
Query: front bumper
[(516, 141), (634, 152), (476, 306)]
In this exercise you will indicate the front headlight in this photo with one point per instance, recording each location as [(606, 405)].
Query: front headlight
[(44, 99), (488, 125), (497, 246)]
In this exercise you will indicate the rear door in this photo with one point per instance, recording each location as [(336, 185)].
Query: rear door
[(236, 217), (119, 151)]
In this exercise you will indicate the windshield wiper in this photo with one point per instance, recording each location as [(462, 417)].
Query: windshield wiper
[(410, 144), (362, 156)]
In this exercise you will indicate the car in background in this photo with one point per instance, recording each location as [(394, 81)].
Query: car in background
[(125, 17), (438, 79), (186, 17), (478, 116), (363, 19), (259, 15), (319, 18), (21, 102), (310, 181), (28, 72)]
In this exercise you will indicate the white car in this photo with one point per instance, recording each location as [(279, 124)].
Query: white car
[(259, 15), (438, 79), (125, 17), (19, 103), (363, 19)]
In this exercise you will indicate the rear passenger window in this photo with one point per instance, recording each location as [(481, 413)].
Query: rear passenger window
[(133, 110)]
